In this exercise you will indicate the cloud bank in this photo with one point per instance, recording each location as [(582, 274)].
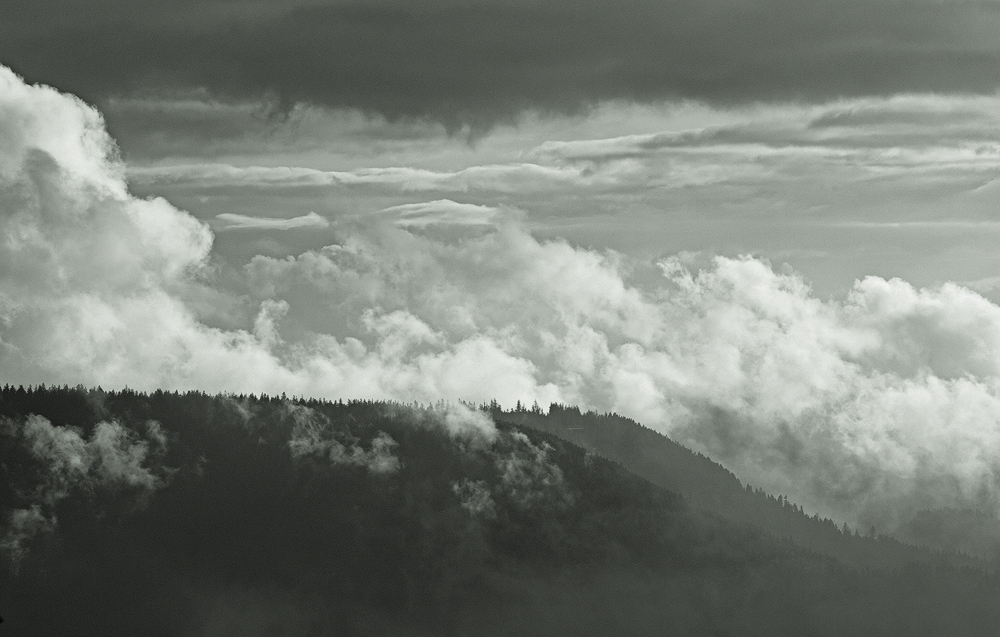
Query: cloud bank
[(865, 409)]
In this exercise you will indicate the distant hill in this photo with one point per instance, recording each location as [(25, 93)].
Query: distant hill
[(710, 486), (170, 514), (972, 532)]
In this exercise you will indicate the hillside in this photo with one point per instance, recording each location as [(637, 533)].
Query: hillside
[(188, 514), (710, 486), (969, 531)]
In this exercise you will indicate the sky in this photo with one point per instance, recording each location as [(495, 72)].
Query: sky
[(843, 137), (764, 228)]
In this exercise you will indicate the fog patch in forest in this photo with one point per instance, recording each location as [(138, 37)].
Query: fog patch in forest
[(528, 475), (113, 459), (314, 435)]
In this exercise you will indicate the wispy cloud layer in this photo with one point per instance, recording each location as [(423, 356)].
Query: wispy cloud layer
[(897, 186), (499, 178), (948, 138), (441, 212), (232, 221)]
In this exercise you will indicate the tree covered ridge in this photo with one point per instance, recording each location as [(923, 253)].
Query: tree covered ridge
[(191, 514), (710, 486)]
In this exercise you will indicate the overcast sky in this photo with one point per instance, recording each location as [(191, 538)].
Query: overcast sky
[(844, 137), (765, 227)]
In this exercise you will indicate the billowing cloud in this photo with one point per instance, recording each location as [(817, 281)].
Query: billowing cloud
[(233, 221), (867, 408), (864, 408), (472, 62), (466, 423)]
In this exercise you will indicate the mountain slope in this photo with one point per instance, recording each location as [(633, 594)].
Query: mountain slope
[(713, 488), (972, 532), (186, 514)]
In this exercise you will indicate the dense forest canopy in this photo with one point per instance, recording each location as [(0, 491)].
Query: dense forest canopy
[(127, 513)]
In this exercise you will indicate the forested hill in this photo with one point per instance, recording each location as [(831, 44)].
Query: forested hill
[(186, 514), (710, 486)]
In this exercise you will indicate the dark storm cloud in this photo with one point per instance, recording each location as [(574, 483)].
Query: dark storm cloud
[(468, 62)]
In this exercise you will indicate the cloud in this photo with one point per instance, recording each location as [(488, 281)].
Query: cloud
[(464, 422), (441, 212), (983, 286), (503, 56), (475, 497), (795, 167), (113, 458), (867, 408), (947, 224), (233, 221), (499, 177), (312, 434), (904, 130), (22, 526), (528, 477)]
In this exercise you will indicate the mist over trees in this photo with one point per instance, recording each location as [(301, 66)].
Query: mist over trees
[(127, 513), (958, 535)]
